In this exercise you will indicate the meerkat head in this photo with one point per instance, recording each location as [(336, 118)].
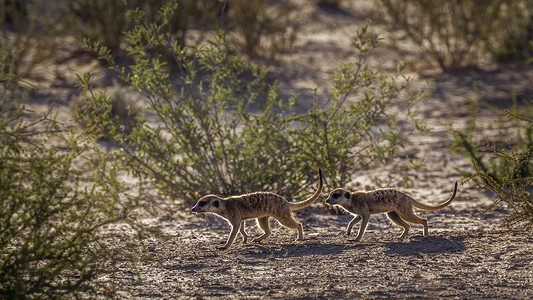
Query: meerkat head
[(338, 197), (209, 203)]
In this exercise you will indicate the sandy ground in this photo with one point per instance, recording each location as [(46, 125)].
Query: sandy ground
[(462, 258), (465, 256)]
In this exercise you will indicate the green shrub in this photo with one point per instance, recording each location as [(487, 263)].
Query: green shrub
[(453, 33), (221, 128), (58, 191), (115, 111), (508, 171), (354, 128)]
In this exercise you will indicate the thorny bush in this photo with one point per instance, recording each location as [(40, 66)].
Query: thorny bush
[(508, 171), (58, 191)]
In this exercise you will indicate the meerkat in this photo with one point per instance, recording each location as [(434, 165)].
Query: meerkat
[(397, 205), (258, 205)]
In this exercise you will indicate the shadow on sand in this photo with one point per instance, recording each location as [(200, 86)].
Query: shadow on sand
[(294, 250), (426, 245)]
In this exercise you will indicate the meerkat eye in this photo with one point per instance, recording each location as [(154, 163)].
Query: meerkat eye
[(335, 196), (216, 204), (202, 203)]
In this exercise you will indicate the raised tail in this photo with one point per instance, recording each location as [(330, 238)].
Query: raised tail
[(440, 206), (300, 205)]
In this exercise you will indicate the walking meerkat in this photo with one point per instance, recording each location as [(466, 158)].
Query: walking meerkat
[(397, 205), (259, 205)]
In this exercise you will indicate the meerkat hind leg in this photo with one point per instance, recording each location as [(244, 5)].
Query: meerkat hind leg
[(265, 225), (395, 217), (289, 222), (242, 230), (410, 216), (354, 221)]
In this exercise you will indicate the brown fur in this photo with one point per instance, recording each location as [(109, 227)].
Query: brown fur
[(397, 205), (259, 205)]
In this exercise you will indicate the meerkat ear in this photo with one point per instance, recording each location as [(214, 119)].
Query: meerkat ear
[(216, 203), (347, 195)]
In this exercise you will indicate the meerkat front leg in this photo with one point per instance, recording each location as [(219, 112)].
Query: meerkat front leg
[(235, 226), (362, 229), (243, 233), (354, 221)]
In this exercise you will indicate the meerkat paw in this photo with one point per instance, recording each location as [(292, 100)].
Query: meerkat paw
[(226, 246)]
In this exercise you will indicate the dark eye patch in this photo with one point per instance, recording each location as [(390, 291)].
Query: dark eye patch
[(335, 196), (202, 203)]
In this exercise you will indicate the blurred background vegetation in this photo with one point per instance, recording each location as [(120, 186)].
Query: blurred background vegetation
[(44, 187), (456, 33), (453, 34)]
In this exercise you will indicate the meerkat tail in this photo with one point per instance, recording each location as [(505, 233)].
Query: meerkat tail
[(437, 207), (300, 205)]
